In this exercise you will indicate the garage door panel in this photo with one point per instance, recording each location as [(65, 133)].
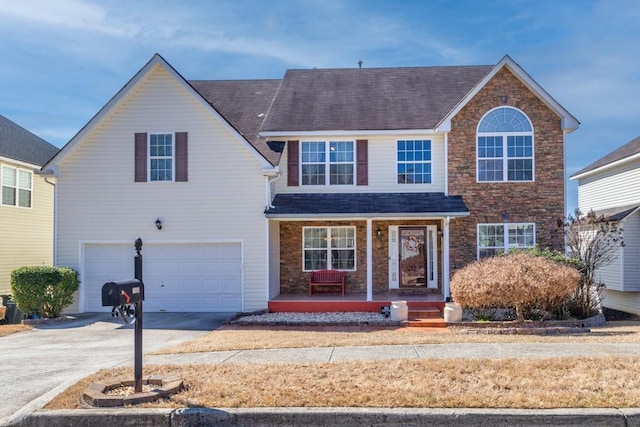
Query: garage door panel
[(177, 277)]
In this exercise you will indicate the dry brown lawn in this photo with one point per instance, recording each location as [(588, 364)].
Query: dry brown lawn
[(256, 337), (469, 383), (505, 383), (12, 329)]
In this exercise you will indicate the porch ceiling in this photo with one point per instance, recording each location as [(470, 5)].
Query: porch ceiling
[(366, 204)]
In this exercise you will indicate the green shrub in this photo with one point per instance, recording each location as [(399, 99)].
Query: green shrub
[(516, 280), (43, 290)]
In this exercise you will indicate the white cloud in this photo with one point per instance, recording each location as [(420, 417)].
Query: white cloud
[(65, 14)]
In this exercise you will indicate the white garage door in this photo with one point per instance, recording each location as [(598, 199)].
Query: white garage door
[(177, 277)]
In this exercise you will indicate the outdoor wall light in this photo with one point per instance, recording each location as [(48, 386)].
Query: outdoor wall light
[(379, 233), (505, 217), (158, 224)]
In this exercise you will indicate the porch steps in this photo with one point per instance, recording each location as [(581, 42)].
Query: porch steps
[(426, 317)]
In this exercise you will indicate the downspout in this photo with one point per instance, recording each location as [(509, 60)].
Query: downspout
[(369, 259), (446, 268), (446, 164), (271, 176), (55, 220)]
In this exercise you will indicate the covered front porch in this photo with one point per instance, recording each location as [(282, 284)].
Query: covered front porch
[(391, 247), (321, 303)]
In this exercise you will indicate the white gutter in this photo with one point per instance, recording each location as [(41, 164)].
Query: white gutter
[(272, 134), (272, 175), (606, 167), (424, 215)]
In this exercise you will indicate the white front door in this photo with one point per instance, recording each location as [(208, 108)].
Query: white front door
[(413, 256)]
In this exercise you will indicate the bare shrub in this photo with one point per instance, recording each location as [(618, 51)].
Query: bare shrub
[(516, 280), (595, 240)]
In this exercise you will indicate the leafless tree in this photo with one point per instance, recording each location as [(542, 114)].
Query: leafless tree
[(595, 240)]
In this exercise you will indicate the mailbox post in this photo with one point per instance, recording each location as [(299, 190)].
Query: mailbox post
[(137, 364), (126, 299)]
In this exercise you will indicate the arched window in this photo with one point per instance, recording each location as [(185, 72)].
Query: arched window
[(505, 146)]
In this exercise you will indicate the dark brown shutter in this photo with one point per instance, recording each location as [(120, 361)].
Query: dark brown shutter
[(140, 157), (293, 166), (182, 174), (362, 157)]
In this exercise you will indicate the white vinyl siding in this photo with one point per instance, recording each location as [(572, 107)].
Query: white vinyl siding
[(94, 207), (631, 251), (628, 302), (611, 274), (619, 187), (382, 167)]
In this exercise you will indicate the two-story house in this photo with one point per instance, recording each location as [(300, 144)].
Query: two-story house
[(26, 201), (610, 186), (239, 189)]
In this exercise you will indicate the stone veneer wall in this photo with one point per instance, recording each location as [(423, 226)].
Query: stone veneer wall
[(295, 281), (541, 201)]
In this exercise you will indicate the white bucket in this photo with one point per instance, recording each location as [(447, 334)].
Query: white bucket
[(452, 312), (399, 311)]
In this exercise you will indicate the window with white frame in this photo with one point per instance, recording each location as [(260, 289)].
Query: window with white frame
[(414, 161), (17, 187), (336, 168), (332, 248), (505, 146), (494, 239), (161, 157)]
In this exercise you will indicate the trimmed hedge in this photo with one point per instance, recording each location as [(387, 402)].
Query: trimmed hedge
[(42, 290)]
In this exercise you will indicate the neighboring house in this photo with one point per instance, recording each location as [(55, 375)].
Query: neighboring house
[(398, 176), (610, 186), (26, 201)]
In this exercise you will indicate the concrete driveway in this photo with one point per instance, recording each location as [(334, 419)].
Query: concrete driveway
[(37, 365)]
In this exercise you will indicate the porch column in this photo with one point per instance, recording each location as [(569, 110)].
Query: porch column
[(446, 270), (369, 259)]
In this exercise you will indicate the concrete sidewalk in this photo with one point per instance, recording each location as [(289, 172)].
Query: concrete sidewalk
[(421, 351)]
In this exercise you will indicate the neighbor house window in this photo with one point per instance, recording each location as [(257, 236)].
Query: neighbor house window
[(17, 187), (414, 161), (494, 239), (332, 248), (161, 157), (505, 146), (334, 168)]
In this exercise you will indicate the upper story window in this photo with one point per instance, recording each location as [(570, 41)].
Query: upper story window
[(494, 239), (505, 146), (334, 168), (161, 157), (414, 161), (17, 187)]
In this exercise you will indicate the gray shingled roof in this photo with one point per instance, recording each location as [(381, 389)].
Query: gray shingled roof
[(370, 98), (19, 144), (627, 150), (244, 104), (340, 99), (365, 204), (618, 213)]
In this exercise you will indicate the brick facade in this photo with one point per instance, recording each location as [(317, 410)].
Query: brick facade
[(294, 281), (540, 202)]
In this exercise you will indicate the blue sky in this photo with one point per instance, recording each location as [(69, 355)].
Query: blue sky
[(63, 60)]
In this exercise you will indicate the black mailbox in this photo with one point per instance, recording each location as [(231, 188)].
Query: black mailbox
[(126, 292)]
